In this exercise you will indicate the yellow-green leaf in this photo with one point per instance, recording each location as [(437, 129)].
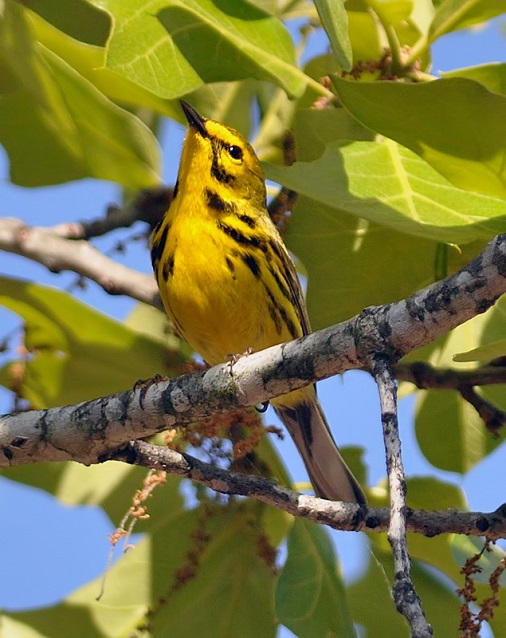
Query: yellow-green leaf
[(47, 104), (452, 15), (172, 47), (442, 121), (484, 353), (334, 20), (87, 353), (310, 595), (492, 75), (391, 186)]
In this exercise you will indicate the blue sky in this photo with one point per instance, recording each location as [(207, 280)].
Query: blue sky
[(48, 549)]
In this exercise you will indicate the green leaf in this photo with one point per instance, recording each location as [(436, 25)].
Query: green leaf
[(464, 439), (452, 15), (423, 14), (149, 321), (357, 261), (428, 492), (391, 186), (112, 143), (173, 46), (80, 20), (87, 353), (356, 264), (439, 600), (492, 76), (12, 628), (485, 353), (446, 553), (442, 121), (227, 102), (49, 105), (375, 612), (111, 486), (232, 591), (334, 20), (407, 21), (393, 11), (89, 61), (315, 129), (310, 595), (365, 36)]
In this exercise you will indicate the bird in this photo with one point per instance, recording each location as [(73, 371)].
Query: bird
[(229, 285)]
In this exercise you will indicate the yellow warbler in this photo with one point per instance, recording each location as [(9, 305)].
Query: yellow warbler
[(229, 284)]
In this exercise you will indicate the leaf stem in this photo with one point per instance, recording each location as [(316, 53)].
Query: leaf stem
[(417, 50), (393, 41), (396, 66)]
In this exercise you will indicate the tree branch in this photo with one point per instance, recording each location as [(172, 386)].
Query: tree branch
[(404, 594), (493, 417), (148, 206), (425, 376), (341, 516), (79, 256)]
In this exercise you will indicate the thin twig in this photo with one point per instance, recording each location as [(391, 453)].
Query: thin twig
[(425, 376), (405, 597), (493, 417), (341, 516), (148, 206)]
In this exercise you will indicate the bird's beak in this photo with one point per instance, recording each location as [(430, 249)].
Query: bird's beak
[(194, 119)]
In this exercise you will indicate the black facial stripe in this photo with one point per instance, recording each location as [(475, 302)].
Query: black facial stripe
[(218, 204), (217, 170)]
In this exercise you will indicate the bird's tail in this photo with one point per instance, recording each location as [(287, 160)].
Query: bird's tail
[(305, 421)]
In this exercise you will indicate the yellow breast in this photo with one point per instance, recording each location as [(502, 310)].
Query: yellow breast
[(219, 282)]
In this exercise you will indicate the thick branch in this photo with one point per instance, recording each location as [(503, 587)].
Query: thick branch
[(58, 254), (87, 431), (342, 516)]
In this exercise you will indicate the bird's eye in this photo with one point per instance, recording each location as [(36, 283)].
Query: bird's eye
[(235, 152)]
